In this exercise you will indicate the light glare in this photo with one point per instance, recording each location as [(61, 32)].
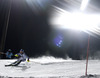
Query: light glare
[(77, 21)]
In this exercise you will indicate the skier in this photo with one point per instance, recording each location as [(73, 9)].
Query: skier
[(21, 58)]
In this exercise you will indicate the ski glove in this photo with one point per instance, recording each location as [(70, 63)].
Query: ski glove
[(28, 60), (16, 55)]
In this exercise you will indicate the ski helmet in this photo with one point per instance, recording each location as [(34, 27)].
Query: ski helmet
[(22, 50)]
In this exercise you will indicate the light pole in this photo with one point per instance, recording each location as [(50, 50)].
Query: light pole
[(5, 28)]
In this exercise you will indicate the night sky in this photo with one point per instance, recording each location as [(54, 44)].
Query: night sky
[(30, 30)]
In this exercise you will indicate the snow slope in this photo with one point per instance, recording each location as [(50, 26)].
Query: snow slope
[(46, 67)]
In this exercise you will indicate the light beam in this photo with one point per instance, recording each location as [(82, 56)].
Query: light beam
[(84, 4)]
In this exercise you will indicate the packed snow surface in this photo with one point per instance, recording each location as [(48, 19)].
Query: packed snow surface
[(48, 67)]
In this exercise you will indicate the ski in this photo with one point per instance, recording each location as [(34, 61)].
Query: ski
[(10, 65), (7, 65)]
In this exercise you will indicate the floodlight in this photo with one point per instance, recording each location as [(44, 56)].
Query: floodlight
[(75, 20)]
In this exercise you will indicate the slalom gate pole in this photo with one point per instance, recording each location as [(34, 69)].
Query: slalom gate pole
[(87, 55)]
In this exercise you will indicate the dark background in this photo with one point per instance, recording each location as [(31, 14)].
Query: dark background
[(30, 30)]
